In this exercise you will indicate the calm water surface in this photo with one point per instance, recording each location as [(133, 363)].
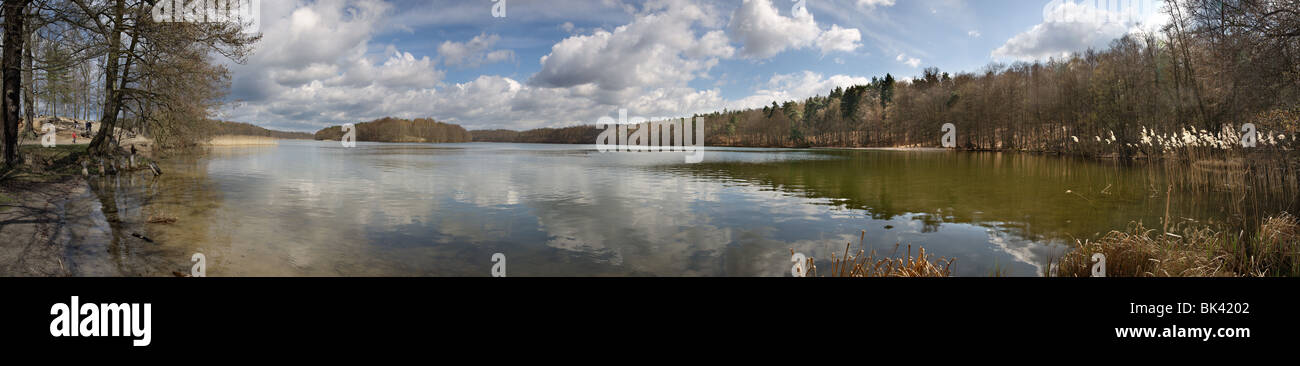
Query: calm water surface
[(308, 208)]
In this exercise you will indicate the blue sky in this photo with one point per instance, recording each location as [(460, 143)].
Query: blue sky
[(551, 63)]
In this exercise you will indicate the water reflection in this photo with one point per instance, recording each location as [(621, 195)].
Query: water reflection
[(317, 209)]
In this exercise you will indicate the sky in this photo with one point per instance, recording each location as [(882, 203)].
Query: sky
[(557, 63)]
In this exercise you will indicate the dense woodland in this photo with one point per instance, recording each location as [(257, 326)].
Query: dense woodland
[(400, 130), (567, 135), (1193, 84)]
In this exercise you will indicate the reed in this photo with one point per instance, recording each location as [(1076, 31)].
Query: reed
[(1191, 252), (1276, 250), (868, 264)]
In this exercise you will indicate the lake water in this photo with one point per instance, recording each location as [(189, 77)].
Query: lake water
[(306, 208)]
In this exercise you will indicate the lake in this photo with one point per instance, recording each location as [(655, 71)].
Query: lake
[(308, 208)]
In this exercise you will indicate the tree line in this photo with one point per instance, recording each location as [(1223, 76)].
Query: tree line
[(1191, 84), (390, 129), (1215, 67), (245, 129), (109, 61), (566, 135)]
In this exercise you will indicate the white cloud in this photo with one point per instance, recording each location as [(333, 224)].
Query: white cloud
[(974, 34), (872, 4), (643, 66), (317, 33), (657, 49), (839, 39), (475, 52), (318, 65), (909, 61), (1073, 27), (764, 32)]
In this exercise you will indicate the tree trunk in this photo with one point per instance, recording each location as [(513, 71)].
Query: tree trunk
[(13, 84), (29, 95), (112, 98)]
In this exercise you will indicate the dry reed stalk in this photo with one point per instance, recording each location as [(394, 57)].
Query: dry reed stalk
[(867, 264)]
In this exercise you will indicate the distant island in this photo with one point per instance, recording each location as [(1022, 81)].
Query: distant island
[(390, 129), (567, 135)]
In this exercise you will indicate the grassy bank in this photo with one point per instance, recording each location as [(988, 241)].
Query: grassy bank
[(42, 163)]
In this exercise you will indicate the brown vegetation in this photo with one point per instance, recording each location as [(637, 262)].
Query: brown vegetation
[(401, 130), (567, 135), (868, 264), (1194, 252), (244, 129)]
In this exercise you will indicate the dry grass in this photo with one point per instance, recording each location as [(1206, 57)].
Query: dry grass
[(1276, 250), (1196, 252), (239, 140), (1142, 252), (867, 264)]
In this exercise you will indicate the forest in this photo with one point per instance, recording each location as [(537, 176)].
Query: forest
[(566, 135), (400, 130), (1191, 85)]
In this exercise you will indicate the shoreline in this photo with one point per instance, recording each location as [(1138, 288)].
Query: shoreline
[(34, 218)]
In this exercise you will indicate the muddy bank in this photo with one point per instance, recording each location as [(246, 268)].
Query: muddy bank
[(30, 222)]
